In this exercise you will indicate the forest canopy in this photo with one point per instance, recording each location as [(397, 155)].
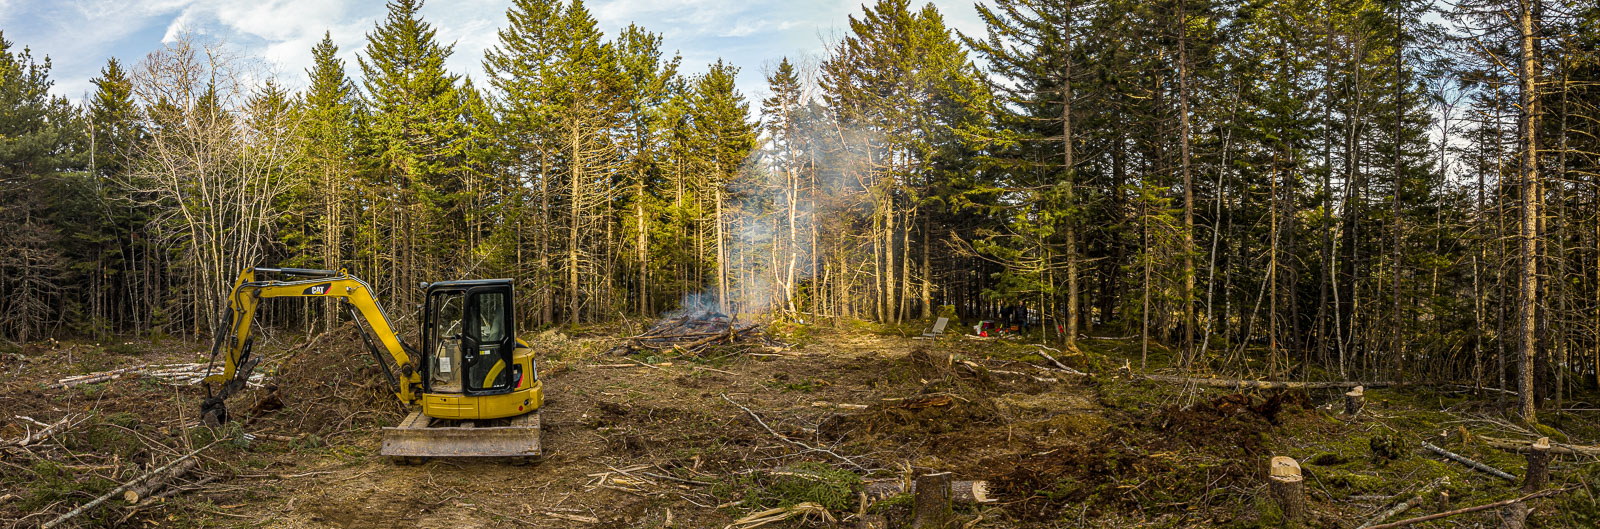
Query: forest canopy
[(1346, 189)]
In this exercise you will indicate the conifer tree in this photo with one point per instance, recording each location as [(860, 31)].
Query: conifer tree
[(520, 68), (411, 137), (723, 140)]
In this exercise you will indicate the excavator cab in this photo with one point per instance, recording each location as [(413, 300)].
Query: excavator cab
[(480, 387), (469, 338)]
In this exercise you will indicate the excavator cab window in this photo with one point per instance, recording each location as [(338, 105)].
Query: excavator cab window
[(488, 340), (444, 357)]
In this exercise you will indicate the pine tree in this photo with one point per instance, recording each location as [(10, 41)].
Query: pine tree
[(328, 138), (648, 83)]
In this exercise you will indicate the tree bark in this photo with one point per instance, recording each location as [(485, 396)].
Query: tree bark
[(1288, 488), (930, 507), (1527, 303)]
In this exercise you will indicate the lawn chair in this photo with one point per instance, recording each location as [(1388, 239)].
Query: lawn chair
[(938, 329)]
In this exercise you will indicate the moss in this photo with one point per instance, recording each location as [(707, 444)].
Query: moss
[(57, 482), (1552, 433), (1351, 482), (832, 488), (124, 349)]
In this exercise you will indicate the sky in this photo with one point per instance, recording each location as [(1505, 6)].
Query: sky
[(79, 35)]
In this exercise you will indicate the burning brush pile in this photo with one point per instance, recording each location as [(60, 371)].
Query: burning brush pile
[(691, 332)]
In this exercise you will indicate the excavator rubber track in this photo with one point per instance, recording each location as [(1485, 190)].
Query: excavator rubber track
[(420, 436)]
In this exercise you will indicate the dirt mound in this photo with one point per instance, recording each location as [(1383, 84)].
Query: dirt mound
[(912, 418), (328, 386)]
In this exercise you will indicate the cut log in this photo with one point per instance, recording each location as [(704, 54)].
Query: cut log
[(154, 483), (1538, 473), (1288, 488), (930, 504), (1353, 400), (1406, 505), (1480, 467), (1267, 384), (961, 491)]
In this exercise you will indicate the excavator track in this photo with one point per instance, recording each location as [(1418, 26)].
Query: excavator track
[(420, 436)]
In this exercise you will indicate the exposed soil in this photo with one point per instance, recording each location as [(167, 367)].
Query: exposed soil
[(630, 446)]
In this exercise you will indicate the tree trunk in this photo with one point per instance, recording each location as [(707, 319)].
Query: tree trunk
[(1527, 308)]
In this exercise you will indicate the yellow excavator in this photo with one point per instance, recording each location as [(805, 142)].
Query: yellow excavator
[(473, 388)]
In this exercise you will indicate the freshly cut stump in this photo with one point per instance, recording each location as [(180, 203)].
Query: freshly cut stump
[(1288, 488), (1354, 400), (930, 503), (1538, 473)]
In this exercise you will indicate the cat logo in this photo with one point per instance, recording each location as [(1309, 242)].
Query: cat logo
[(317, 290)]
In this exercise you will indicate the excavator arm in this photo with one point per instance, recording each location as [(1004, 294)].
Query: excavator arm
[(234, 343)]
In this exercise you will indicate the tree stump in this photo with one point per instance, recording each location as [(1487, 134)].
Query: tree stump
[(1288, 488), (1353, 400), (930, 503), (1538, 466)]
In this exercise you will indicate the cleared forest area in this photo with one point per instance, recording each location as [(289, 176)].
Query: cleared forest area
[(838, 418), (1207, 263)]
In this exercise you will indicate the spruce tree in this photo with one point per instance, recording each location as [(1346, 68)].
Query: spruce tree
[(410, 137), (724, 138)]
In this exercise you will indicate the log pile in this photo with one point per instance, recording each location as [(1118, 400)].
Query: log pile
[(692, 333), (179, 374)]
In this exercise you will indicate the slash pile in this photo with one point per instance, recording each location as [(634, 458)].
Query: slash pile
[(693, 332)]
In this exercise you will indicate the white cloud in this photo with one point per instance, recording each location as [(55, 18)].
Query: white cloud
[(80, 34)]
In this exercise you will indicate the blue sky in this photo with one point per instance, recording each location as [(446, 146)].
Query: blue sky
[(79, 35)]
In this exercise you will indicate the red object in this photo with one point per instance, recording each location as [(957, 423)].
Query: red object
[(984, 334)]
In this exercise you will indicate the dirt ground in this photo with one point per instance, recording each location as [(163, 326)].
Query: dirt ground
[(666, 440)]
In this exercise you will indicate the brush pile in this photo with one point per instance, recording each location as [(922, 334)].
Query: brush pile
[(180, 374), (693, 332)]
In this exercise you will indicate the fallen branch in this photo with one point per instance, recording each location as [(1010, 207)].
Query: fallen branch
[(1486, 469), (49, 430), (1407, 504), (125, 486), (1266, 384), (1465, 510), (1068, 370), (149, 486), (778, 514), (571, 517), (1513, 445), (788, 440)]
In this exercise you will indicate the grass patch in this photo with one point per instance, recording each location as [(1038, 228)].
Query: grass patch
[(832, 488)]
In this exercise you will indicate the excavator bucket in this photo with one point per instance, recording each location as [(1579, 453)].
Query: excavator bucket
[(420, 436)]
